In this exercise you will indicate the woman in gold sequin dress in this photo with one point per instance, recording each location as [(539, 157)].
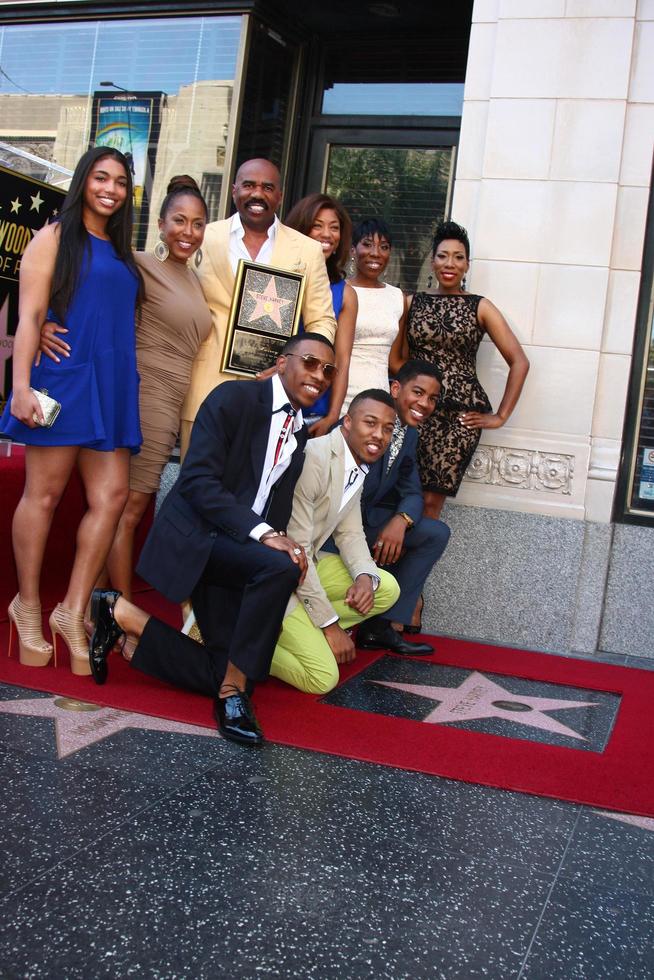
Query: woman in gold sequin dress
[(445, 325)]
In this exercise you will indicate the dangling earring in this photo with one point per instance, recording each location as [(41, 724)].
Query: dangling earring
[(351, 267), (463, 283), (161, 250), (430, 279), (198, 258)]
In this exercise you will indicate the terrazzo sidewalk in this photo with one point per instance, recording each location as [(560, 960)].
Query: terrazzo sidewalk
[(160, 854)]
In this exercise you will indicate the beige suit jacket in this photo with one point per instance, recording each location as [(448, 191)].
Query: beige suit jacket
[(316, 517), (294, 253)]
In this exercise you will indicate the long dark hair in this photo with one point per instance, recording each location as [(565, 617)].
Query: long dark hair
[(74, 239), (302, 216)]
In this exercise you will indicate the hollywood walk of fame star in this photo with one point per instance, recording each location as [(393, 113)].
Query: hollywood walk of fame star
[(16, 206), (645, 823), (479, 697), (6, 342), (37, 201), (268, 303), (79, 724)]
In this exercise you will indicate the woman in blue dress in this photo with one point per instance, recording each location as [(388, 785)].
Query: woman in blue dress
[(79, 271), (325, 219)]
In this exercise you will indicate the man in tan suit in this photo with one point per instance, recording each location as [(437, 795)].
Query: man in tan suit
[(341, 590), (255, 234)]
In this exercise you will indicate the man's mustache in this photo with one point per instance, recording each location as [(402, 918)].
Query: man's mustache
[(256, 200)]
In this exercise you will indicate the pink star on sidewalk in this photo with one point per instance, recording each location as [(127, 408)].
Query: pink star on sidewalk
[(479, 697), (268, 303), (645, 823), (78, 724)]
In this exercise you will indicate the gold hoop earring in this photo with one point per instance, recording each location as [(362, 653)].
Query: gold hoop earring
[(161, 251)]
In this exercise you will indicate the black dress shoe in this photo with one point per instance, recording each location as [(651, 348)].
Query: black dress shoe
[(106, 632), (382, 636), (236, 719)]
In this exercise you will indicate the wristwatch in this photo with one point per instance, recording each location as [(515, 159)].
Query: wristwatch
[(409, 520), (272, 534)]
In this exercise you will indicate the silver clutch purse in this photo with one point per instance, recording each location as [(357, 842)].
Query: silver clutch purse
[(49, 407)]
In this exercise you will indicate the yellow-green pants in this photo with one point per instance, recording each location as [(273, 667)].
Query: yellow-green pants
[(303, 656)]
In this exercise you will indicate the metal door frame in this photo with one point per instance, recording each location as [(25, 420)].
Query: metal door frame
[(405, 132)]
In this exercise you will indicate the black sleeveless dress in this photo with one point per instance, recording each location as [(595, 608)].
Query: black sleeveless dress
[(444, 330)]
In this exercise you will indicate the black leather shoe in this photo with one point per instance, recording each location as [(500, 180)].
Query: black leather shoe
[(106, 632), (382, 636), (236, 719)]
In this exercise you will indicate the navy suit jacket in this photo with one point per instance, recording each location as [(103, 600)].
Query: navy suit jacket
[(216, 487), (386, 493)]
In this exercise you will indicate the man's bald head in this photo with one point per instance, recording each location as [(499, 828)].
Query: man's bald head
[(256, 163), (257, 193)]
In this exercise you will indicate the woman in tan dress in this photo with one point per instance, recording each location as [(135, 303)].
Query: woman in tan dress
[(174, 320), (172, 323)]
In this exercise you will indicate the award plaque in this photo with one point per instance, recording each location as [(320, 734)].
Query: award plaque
[(264, 314)]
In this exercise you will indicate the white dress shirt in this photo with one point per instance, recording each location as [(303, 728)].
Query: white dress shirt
[(273, 471), (237, 249), (353, 475)]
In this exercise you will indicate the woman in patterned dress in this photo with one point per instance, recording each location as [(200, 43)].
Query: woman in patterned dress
[(445, 325)]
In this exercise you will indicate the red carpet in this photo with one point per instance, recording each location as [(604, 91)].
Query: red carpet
[(619, 778), (61, 542)]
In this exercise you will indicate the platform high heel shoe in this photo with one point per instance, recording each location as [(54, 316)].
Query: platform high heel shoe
[(25, 618), (69, 625)]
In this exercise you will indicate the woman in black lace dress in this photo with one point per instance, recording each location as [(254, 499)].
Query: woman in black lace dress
[(445, 325)]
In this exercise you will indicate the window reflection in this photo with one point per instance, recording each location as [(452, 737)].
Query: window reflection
[(397, 99), (186, 66)]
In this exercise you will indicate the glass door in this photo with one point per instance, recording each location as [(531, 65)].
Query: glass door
[(403, 177)]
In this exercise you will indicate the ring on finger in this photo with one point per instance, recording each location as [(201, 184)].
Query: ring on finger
[(297, 551), (378, 544)]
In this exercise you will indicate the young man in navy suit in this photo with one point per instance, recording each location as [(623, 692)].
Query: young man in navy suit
[(401, 540), (220, 538)]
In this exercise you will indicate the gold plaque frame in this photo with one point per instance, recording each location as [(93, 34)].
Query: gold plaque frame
[(264, 314)]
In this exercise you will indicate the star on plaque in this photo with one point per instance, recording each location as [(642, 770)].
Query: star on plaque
[(78, 724), (479, 697), (16, 206), (268, 303), (37, 201)]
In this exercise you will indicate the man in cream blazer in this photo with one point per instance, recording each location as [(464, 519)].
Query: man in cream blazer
[(255, 234), (341, 590)]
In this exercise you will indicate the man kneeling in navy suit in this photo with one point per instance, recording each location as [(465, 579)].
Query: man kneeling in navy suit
[(220, 537), (401, 540)]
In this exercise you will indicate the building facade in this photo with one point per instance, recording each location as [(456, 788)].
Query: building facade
[(528, 121)]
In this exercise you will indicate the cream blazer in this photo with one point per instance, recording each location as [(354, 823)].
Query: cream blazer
[(315, 517), (294, 253)]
